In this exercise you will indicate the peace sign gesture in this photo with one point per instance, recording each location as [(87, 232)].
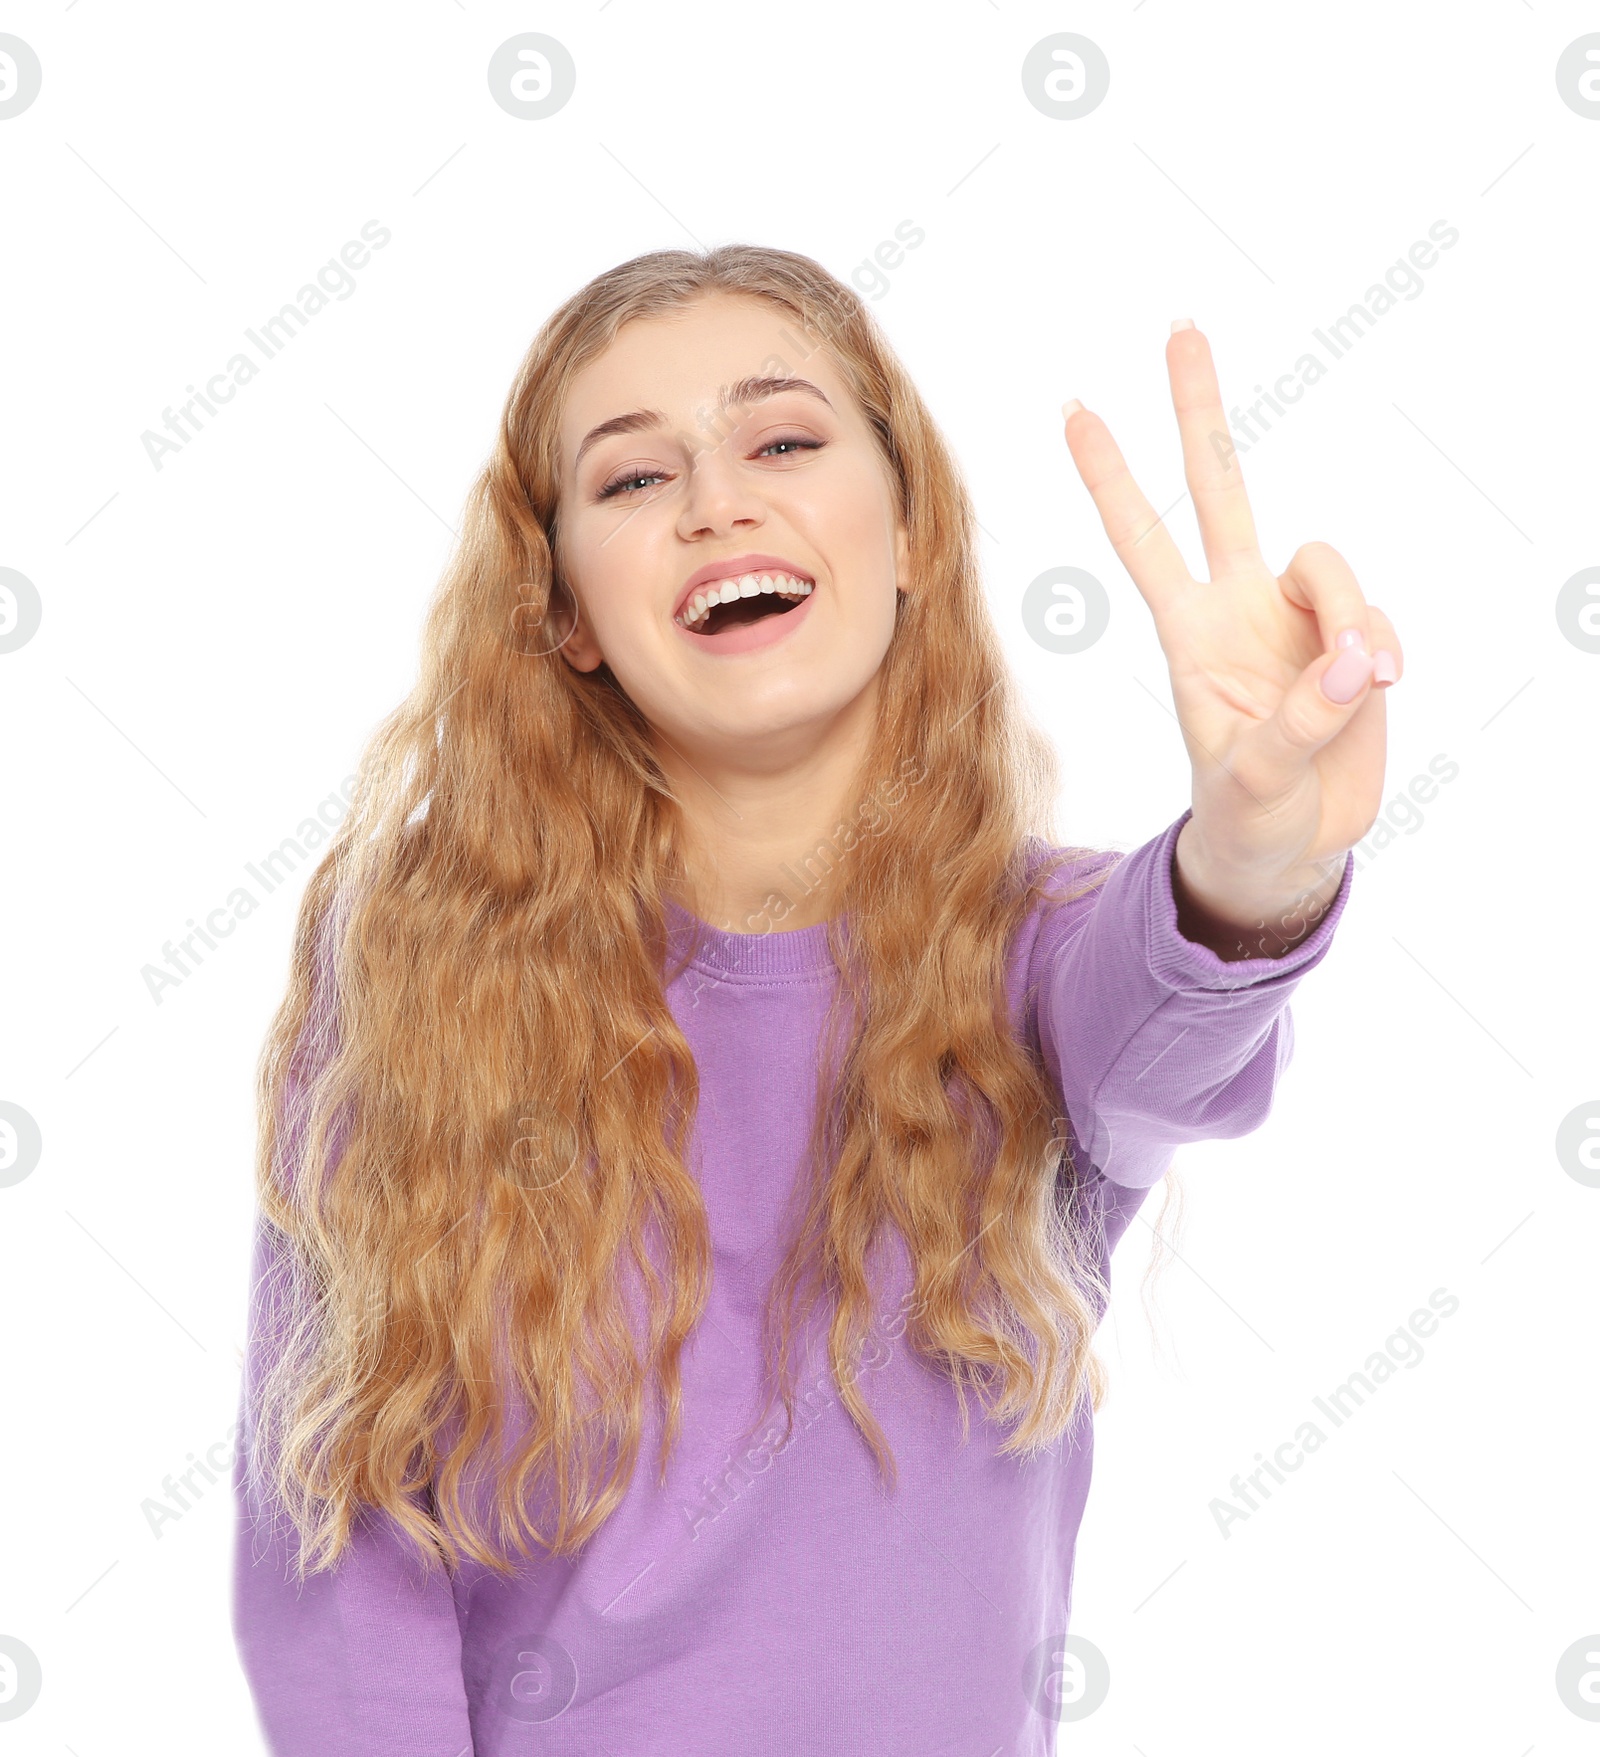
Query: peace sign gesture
[(1277, 680)]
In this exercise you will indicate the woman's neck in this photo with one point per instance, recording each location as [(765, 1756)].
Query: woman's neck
[(765, 833)]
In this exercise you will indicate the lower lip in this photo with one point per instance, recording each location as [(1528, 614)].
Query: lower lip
[(749, 637)]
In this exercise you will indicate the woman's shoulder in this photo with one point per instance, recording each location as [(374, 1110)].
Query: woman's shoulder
[(1061, 874), (1066, 890), (1063, 884)]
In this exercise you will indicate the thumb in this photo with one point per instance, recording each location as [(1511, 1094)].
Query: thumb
[(1321, 702)]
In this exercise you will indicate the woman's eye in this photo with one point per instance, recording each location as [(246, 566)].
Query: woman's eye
[(623, 484), (619, 484), (803, 444)]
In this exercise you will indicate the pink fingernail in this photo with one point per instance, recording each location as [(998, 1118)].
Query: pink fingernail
[(1071, 409), (1343, 679), (1350, 638), (1384, 669), (1182, 323)]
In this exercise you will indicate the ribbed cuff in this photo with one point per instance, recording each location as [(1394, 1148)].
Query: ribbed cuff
[(1182, 964)]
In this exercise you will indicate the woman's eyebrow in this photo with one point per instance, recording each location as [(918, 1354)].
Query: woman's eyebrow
[(754, 389)]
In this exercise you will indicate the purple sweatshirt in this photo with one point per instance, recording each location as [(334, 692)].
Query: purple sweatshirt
[(777, 1598)]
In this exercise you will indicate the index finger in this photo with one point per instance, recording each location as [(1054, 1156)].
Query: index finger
[(1210, 462)]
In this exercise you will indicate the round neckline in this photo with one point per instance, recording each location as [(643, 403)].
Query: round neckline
[(793, 951)]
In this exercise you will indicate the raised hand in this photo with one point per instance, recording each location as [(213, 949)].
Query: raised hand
[(1277, 680)]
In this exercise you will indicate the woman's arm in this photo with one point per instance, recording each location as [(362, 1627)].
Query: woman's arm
[(1154, 1039), (363, 1661)]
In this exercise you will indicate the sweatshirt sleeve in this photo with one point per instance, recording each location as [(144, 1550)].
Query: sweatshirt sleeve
[(360, 1661), (1153, 1039)]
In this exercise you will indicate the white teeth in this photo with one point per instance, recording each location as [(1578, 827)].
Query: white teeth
[(746, 586)]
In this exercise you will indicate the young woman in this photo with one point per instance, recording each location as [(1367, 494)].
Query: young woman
[(702, 1068)]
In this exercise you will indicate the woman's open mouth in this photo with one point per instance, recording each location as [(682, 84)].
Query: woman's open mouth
[(726, 614)]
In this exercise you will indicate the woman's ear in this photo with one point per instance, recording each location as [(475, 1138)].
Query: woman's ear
[(902, 559), (577, 646)]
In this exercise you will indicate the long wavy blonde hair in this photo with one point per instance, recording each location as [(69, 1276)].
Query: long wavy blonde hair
[(475, 1101)]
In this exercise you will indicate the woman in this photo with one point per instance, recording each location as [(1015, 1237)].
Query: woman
[(701, 1067)]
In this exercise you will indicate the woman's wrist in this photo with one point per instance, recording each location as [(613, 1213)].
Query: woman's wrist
[(1245, 914)]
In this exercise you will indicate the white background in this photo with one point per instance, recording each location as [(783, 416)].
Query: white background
[(219, 638)]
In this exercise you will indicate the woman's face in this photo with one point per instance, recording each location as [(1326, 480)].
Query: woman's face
[(691, 496)]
